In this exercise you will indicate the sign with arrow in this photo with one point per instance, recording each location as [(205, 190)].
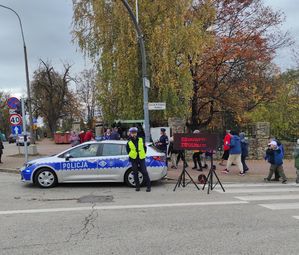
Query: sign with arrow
[(16, 130)]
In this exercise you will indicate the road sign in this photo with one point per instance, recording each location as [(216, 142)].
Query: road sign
[(13, 102), (16, 130), (157, 106), (15, 119), (147, 83), (12, 111)]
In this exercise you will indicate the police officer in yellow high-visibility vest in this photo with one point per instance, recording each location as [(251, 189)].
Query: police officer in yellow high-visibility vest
[(136, 149)]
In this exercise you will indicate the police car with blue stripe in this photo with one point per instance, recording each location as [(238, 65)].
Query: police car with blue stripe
[(105, 161)]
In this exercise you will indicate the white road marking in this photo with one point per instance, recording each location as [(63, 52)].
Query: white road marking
[(119, 207), (296, 217), (268, 197), (282, 206), (278, 190), (245, 185)]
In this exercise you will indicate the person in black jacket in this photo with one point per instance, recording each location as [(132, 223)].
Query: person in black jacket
[(1, 150)]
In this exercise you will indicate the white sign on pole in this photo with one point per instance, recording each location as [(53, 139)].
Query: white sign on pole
[(12, 111), (157, 106), (147, 83)]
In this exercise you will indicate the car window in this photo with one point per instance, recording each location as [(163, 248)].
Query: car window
[(110, 149), (88, 150)]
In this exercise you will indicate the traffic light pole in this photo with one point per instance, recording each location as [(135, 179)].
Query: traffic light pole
[(145, 81)]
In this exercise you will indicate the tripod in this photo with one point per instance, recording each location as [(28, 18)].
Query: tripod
[(182, 178), (209, 179)]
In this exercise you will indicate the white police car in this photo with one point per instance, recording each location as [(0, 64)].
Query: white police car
[(105, 161)]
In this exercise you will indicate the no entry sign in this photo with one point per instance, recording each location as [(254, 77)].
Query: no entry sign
[(15, 119)]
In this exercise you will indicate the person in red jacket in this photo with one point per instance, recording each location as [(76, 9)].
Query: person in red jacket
[(226, 142), (88, 136)]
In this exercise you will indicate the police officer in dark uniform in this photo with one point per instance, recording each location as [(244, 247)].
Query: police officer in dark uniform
[(136, 150), (163, 141)]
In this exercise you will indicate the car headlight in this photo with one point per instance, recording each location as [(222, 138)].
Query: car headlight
[(26, 165)]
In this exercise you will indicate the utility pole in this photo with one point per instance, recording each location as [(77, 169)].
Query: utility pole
[(27, 73), (145, 80)]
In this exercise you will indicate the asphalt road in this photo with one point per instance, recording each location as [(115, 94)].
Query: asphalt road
[(113, 219)]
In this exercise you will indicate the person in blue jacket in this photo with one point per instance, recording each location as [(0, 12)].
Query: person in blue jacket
[(244, 151), (234, 154), (274, 156)]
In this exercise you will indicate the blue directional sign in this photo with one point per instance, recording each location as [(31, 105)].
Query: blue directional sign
[(16, 130), (13, 102)]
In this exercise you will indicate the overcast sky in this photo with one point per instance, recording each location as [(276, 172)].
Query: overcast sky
[(47, 25)]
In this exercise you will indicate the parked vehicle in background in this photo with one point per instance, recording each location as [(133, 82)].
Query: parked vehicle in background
[(20, 140), (12, 138)]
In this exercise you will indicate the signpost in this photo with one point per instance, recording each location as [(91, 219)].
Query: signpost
[(157, 106), (16, 121)]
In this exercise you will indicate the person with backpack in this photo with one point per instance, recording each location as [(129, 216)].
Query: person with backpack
[(244, 151), (274, 156)]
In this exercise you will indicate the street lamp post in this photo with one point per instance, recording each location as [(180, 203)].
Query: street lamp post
[(145, 81), (27, 73)]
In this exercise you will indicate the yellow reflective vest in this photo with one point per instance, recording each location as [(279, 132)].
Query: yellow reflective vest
[(133, 150)]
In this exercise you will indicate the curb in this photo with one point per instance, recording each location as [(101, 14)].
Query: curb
[(10, 170)]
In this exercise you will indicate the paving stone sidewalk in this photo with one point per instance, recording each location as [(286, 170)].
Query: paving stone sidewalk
[(258, 168)]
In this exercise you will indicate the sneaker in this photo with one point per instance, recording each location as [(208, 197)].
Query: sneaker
[(200, 169), (205, 166), (284, 182), (241, 174), (266, 180), (225, 171), (148, 189), (194, 167), (137, 189)]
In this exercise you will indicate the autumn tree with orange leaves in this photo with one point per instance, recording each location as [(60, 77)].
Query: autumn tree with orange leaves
[(235, 73)]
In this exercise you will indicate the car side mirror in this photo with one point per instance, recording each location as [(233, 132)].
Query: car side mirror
[(68, 156)]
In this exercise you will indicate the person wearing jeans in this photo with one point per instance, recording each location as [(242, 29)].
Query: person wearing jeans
[(234, 154)]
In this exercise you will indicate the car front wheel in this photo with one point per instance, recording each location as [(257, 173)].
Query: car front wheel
[(129, 178), (45, 178)]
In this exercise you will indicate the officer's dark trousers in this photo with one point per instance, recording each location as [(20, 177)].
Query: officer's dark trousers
[(139, 164)]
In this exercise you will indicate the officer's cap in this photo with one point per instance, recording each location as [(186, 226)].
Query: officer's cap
[(163, 130), (133, 130)]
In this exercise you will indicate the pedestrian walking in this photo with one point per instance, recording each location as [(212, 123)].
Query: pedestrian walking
[(297, 161), (280, 146), (136, 149), (226, 142), (107, 135), (244, 151), (81, 136), (88, 136), (115, 135), (1, 150), (74, 139), (197, 156), (234, 154), (274, 156), (172, 153)]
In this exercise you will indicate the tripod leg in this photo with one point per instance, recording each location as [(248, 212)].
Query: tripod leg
[(207, 179), (219, 181), (192, 180), (178, 184)]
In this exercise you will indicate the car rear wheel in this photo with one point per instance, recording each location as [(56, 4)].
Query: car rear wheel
[(45, 178), (129, 178)]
